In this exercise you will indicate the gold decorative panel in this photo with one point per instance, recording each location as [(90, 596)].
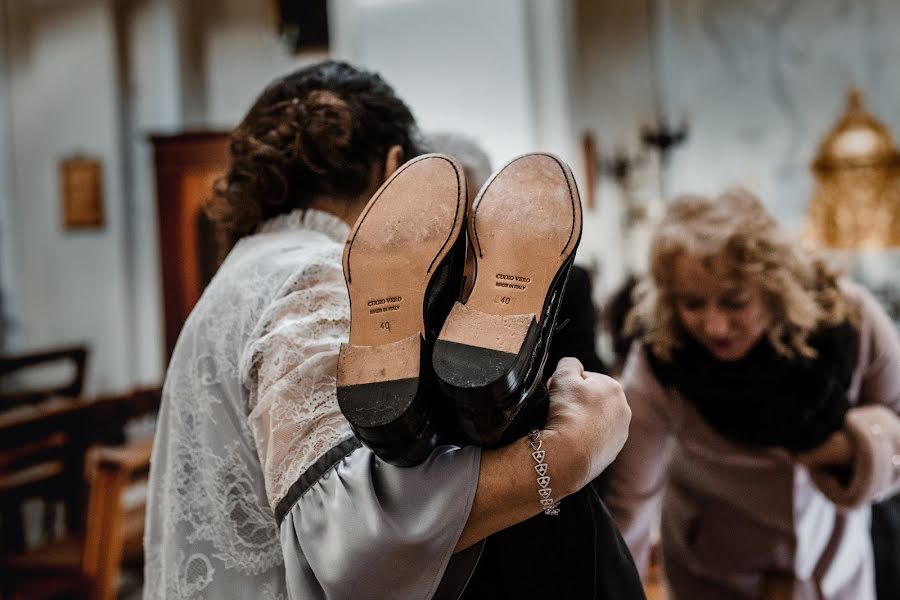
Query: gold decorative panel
[(856, 203)]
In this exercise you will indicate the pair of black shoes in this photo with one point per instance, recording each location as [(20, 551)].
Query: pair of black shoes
[(424, 364)]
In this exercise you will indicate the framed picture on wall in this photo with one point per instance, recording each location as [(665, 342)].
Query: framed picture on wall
[(81, 182)]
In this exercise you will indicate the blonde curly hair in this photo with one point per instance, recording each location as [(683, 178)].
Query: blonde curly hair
[(736, 237)]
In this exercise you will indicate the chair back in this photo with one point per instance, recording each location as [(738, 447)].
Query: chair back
[(23, 377)]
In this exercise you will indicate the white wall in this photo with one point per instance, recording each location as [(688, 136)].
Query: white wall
[(468, 66), (242, 54), (153, 101), (462, 65), (760, 82), (614, 95), (764, 82), (64, 99), (100, 76), (8, 264), (551, 54)]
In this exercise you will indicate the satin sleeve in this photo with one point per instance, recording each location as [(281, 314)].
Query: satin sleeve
[(362, 528)]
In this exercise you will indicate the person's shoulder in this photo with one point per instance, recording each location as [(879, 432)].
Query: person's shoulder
[(854, 292), (284, 251), (262, 269), (649, 399), (861, 299), (878, 331), (637, 374)]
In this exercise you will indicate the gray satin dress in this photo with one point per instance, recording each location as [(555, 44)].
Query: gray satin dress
[(258, 488)]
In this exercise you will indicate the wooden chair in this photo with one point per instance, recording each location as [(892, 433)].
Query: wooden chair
[(115, 527), (46, 467), (89, 566), (86, 563), (42, 450), (20, 364)]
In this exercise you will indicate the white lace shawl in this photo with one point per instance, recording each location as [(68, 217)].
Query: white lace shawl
[(232, 435)]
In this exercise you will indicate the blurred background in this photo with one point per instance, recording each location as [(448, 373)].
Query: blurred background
[(114, 117)]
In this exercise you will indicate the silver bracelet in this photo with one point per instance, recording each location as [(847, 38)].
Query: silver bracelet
[(549, 505)]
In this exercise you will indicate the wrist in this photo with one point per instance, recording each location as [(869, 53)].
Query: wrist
[(548, 500), (565, 464)]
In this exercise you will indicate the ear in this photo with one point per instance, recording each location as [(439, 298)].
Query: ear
[(393, 160)]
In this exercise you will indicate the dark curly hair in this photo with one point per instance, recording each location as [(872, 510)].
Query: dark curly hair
[(318, 131)]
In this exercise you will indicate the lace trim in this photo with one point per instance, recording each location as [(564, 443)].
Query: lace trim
[(308, 218)]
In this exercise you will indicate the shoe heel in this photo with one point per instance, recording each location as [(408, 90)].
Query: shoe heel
[(379, 393), (480, 360)]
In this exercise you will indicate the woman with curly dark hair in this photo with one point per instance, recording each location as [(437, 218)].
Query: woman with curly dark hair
[(258, 487), (311, 141)]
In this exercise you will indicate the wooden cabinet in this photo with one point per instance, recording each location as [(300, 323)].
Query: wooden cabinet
[(187, 164)]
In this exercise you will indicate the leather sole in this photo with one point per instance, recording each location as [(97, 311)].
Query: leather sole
[(525, 226), (391, 259)]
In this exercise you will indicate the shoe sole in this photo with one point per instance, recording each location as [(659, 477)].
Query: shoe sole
[(525, 227), (391, 256)]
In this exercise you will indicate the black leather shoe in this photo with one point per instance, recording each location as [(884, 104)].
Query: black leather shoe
[(524, 227), (403, 266)]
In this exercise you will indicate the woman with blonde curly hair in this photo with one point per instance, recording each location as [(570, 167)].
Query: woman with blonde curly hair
[(765, 394)]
